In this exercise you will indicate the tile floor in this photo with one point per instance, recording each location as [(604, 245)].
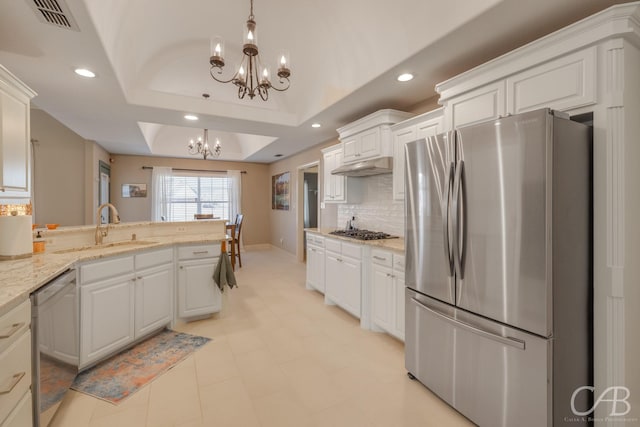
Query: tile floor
[(279, 357)]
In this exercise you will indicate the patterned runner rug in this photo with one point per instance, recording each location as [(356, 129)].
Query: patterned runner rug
[(123, 374)]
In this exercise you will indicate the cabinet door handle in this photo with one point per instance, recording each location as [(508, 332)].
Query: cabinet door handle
[(13, 382), (379, 258), (12, 330), (139, 278), (182, 267), (200, 252)]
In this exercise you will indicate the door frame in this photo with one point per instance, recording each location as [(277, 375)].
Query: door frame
[(300, 207)]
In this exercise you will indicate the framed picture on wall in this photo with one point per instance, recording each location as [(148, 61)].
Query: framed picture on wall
[(134, 190), (280, 191)]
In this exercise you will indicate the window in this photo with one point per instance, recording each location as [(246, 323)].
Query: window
[(198, 194)]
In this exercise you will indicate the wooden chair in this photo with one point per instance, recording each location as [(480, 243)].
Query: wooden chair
[(236, 239)]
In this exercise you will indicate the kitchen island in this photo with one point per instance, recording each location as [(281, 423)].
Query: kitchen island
[(19, 278)]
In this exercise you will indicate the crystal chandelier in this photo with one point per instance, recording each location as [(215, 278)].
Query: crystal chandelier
[(252, 78), (201, 146)]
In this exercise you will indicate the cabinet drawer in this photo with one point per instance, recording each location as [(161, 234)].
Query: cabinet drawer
[(14, 323), (351, 250), (200, 251), (105, 269), (15, 376), (333, 245), (398, 262), (381, 257), (22, 414), (316, 240), (153, 258)]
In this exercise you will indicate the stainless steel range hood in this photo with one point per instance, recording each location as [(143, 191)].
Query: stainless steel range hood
[(377, 166)]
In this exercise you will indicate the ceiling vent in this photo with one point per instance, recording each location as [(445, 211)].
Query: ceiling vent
[(54, 12)]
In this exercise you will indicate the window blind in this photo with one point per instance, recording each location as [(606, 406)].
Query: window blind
[(199, 194)]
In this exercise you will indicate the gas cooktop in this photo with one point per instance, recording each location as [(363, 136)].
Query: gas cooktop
[(362, 234)]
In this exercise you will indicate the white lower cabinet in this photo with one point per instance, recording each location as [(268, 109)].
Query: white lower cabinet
[(106, 317), (123, 299), (315, 262), (15, 367), (198, 294), (387, 292), (154, 299), (22, 414), (343, 275)]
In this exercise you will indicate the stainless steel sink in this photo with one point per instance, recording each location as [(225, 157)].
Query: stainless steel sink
[(105, 246)]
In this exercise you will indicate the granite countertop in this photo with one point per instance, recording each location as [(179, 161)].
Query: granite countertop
[(395, 244), (18, 278)]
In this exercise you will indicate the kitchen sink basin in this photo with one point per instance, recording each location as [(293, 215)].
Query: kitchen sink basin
[(105, 246)]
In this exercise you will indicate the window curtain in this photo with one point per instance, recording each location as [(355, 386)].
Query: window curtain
[(235, 194), (160, 194)]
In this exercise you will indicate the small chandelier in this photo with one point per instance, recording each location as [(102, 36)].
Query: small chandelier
[(200, 146), (251, 78)]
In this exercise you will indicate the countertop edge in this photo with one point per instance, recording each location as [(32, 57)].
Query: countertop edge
[(13, 295), (395, 244)]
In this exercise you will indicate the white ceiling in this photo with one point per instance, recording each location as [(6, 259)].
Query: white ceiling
[(151, 58)]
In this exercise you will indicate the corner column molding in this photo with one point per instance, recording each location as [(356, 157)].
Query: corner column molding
[(615, 219)]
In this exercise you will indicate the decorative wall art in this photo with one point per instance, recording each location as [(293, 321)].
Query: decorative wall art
[(134, 190), (280, 191)]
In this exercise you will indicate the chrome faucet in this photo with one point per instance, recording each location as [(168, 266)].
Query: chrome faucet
[(100, 232)]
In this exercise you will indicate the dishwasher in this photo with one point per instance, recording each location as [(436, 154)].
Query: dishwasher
[(55, 348)]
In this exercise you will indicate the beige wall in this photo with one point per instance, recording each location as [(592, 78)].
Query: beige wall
[(59, 171), (256, 190), (66, 172), (285, 224)]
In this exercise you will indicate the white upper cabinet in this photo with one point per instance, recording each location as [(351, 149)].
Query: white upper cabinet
[(565, 83), (15, 172), (475, 106), (422, 126), (370, 136), (334, 189)]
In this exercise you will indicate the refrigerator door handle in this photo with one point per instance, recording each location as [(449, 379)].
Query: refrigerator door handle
[(458, 216), (445, 219), (512, 342)]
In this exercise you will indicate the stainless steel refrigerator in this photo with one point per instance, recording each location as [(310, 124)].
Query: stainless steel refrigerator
[(498, 272)]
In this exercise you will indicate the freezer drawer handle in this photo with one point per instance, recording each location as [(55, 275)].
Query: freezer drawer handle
[(11, 330), (13, 382), (513, 342)]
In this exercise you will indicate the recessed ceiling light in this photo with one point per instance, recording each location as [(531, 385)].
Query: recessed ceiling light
[(405, 77), (85, 73), (191, 117), (316, 125)]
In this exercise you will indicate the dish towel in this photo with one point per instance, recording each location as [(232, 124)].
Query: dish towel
[(223, 274)]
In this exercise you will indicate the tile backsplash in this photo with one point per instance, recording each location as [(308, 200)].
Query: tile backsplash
[(377, 210), (23, 209)]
